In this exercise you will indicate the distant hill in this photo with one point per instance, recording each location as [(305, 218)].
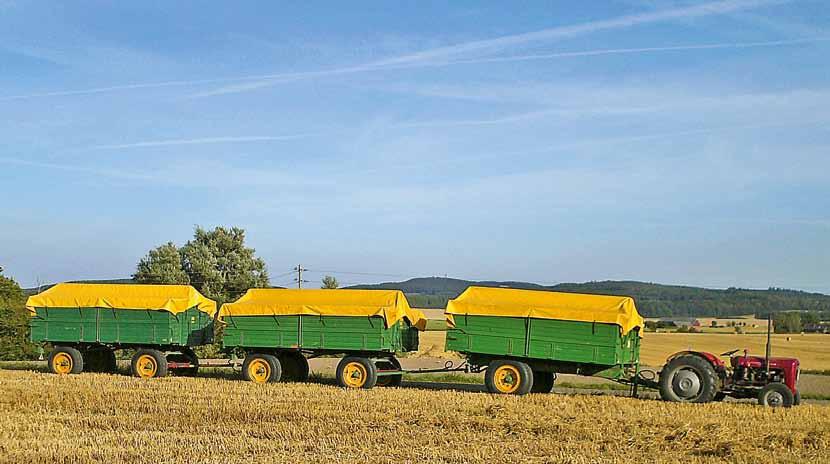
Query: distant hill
[(34, 290), (653, 300)]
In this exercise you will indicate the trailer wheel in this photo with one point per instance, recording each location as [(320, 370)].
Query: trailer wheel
[(542, 382), (149, 363), (391, 364), (508, 377), (261, 368), (65, 360), (688, 379), (357, 372), (100, 359), (776, 395), (294, 366)]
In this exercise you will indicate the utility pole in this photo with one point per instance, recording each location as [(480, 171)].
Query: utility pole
[(299, 270)]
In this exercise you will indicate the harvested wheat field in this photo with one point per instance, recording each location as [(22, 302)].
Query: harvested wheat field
[(112, 418)]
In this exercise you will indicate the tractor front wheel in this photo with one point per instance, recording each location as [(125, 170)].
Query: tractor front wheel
[(688, 379), (776, 395)]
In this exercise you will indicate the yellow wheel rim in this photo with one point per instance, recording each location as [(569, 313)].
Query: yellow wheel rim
[(259, 371), (146, 366), (354, 375), (507, 379), (62, 363)]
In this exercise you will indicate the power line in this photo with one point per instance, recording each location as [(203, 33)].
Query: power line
[(299, 279), (357, 273)]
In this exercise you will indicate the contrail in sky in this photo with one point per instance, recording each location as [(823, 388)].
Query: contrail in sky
[(621, 51), (438, 57), (204, 141), (564, 32)]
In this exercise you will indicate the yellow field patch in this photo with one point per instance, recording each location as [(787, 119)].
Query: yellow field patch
[(812, 349)]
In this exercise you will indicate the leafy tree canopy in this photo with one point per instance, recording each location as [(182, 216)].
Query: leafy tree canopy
[(329, 282), (14, 322), (162, 265), (216, 262)]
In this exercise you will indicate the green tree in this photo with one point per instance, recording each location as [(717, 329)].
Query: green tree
[(14, 322), (329, 282), (216, 262), (162, 265)]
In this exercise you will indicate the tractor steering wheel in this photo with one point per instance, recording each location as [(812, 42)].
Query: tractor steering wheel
[(730, 353)]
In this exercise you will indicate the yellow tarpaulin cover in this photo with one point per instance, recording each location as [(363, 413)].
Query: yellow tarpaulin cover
[(484, 301), (391, 304), (173, 298)]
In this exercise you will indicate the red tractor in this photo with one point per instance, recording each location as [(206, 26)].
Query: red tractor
[(699, 377)]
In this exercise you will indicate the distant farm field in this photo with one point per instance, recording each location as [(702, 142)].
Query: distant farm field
[(812, 349), (92, 418)]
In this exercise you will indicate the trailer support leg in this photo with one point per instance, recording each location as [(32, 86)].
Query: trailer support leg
[(635, 384)]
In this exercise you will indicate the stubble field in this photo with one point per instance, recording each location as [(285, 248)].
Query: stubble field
[(114, 418)]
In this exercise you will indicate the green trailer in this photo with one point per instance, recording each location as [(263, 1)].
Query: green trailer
[(523, 338), (87, 323), (278, 329)]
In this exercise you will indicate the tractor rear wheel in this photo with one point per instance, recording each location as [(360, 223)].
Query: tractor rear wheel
[(688, 379), (542, 382), (508, 377), (776, 395), (65, 360)]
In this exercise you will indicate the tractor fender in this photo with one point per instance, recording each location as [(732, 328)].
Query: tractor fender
[(714, 360)]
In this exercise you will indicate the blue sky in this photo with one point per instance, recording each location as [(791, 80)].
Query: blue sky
[(673, 142)]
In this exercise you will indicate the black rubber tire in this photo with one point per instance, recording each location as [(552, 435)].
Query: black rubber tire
[(74, 355), (706, 375), (797, 398), (294, 367), (158, 356), (779, 391), (542, 382), (525, 376), (273, 363), (99, 359), (389, 380), (371, 378)]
